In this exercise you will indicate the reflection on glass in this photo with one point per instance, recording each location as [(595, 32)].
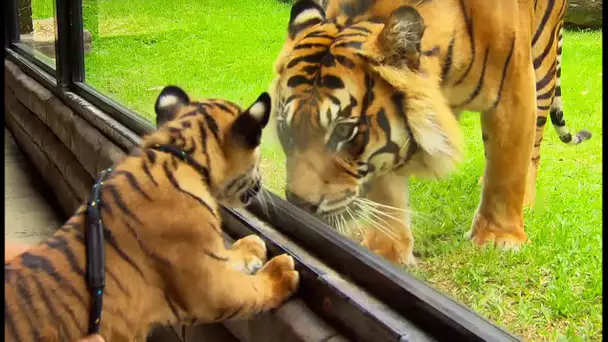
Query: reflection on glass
[(215, 48), (227, 48), (37, 28)]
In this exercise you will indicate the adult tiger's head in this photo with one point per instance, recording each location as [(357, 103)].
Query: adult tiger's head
[(353, 100), (222, 140)]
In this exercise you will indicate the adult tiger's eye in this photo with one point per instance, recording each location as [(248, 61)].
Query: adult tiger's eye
[(344, 131)]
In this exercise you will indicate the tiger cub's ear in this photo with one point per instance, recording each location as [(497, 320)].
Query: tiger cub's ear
[(168, 104), (247, 128), (304, 14)]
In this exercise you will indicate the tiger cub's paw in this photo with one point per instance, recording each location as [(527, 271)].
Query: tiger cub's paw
[(251, 253), (283, 277)]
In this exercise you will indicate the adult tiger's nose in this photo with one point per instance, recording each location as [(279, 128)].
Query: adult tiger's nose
[(300, 202)]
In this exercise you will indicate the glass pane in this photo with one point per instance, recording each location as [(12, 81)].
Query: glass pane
[(37, 29), (227, 49)]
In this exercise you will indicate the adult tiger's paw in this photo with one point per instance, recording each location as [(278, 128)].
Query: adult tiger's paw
[(503, 234), (283, 277), (251, 253), (397, 252)]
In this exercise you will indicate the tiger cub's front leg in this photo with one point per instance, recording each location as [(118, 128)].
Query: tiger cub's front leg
[(390, 235), (248, 254)]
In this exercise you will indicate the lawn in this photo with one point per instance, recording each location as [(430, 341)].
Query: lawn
[(550, 290)]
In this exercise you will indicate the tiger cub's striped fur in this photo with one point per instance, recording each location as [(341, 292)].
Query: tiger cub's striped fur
[(368, 92), (164, 247)]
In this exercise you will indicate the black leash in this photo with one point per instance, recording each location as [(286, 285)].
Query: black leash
[(95, 254)]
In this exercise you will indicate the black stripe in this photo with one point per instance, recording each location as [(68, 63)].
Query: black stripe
[(447, 64), (118, 201), (133, 182), (504, 74), (479, 83), (543, 22), (319, 34), (204, 171), (354, 45), (332, 82), (541, 121), (546, 95), (557, 117), (42, 264), (111, 239), (540, 58), (432, 52), (173, 308), (121, 287), (144, 165), (60, 244), (8, 320), (345, 61), (54, 314), (350, 35), (174, 182), (310, 46), (558, 91), (212, 124), (543, 107), (469, 23), (151, 155), (550, 76), (298, 80), (215, 256), (236, 312), (222, 106), (359, 28), (25, 304), (390, 147), (537, 144), (313, 58)]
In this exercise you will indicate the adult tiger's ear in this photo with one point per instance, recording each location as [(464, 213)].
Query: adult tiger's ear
[(304, 14), (168, 104), (247, 128), (398, 44)]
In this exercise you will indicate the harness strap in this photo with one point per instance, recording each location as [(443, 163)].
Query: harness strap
[(95, 268), (95, 254), (182, 155)]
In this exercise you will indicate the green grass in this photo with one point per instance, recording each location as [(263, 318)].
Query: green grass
[(550, 290), (42, 9)]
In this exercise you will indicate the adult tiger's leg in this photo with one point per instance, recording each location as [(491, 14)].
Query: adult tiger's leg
[(390, 235), (508, 129)]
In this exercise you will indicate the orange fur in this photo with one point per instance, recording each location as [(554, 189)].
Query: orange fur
[(401, 72), (165, 256)]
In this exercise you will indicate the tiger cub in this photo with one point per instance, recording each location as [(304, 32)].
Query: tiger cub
[(165, 259)]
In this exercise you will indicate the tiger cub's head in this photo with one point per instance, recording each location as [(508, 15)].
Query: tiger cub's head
[(352, 101), (221, 139)]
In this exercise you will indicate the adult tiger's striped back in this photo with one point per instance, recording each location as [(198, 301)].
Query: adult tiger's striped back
[(164, 247), (369, 91)]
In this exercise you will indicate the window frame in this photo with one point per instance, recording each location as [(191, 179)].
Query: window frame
[(433, 312)]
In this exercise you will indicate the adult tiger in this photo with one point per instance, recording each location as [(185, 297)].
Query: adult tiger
[(164, 247), (369, 91)]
